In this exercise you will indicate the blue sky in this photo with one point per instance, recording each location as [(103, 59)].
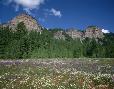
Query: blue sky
[(62, 13)]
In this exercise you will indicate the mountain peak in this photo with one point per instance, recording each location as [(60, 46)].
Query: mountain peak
[(30, 22), (24, 14)]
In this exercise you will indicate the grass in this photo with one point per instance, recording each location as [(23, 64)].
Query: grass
[(59, 74)]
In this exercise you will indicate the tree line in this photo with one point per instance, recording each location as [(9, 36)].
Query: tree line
[(22, 44)]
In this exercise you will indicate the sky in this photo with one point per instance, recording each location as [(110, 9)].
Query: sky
[(62, 13)]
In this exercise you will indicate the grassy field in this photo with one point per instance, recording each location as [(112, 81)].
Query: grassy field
[(57, 74)]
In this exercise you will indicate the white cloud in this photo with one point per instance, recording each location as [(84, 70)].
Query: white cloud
[(55, 12), (27, 5), (31, 4), (105, 31)]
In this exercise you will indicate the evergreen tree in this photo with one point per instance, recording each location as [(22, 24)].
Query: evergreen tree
[(21, 43)]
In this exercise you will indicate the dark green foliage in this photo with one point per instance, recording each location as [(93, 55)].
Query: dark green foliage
[(109, 45), (21, 43), (5, 39), (20, 31)]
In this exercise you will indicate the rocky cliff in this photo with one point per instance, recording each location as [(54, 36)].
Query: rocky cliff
[(31, 24), (93, 32), (90, 32), (29, 21), (74, 34), (59, 35)]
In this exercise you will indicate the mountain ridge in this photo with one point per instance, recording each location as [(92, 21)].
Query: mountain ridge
[(53, 43), (32, 24)]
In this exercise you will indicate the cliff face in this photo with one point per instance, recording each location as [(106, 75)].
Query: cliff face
[(74, 33), (90, 32), (59, 35), (30, 22), (94, 32)]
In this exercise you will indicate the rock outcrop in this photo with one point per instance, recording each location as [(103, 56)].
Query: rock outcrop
[(74, 34), (29, 21), (59, 35), (93, 32), (31, 24), (90, 32)]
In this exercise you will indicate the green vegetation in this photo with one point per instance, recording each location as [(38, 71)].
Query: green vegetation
[(21, 44)]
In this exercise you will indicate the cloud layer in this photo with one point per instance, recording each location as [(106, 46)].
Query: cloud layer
[(105, 31)]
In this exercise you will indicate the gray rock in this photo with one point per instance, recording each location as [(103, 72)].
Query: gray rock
[(94, 32), (29, 21), (59, 35), (74, 33)]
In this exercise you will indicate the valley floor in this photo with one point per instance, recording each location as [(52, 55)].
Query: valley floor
[(57, 74)]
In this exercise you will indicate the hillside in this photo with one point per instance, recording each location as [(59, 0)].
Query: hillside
[(24, 37)]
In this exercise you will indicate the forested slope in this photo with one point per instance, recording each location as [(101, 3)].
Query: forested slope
[(22, 43)]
